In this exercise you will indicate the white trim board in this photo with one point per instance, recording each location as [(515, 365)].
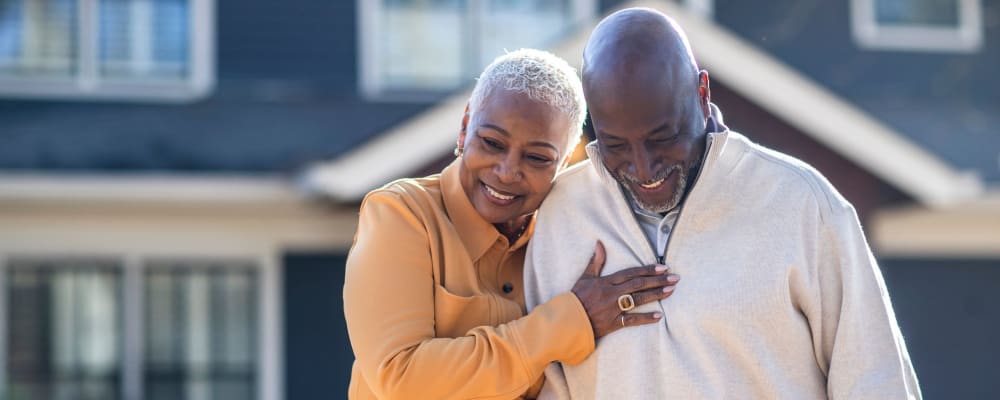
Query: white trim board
[(159, 189), (105, 213), (971, 229), (777, 88)]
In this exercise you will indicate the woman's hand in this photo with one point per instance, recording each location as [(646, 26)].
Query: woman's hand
[(600, 294)]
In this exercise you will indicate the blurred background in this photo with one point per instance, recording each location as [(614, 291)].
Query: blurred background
[(179, 179)]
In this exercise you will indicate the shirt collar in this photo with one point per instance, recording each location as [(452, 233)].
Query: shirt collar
[(476, 233)]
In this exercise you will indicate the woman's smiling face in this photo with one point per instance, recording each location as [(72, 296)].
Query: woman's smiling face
[(512, 148)]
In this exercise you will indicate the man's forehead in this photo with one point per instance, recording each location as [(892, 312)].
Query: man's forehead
[(623, 93)]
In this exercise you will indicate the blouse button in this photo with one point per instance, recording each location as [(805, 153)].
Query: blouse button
[(507, 288)]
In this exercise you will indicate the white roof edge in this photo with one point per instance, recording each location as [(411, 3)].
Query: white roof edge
[(824, 116), (143, 189), (771, 84), (395, 153), (969, 229), (409, 145)]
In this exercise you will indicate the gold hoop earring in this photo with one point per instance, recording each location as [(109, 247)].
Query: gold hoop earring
[(458, 151)]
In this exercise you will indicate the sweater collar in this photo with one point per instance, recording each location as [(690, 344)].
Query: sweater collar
[(477, 234)]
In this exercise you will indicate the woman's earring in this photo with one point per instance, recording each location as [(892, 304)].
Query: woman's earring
[(458, 151)]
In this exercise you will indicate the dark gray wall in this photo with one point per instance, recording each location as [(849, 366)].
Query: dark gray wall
[(318, 354), (304, 41), (945, 101), (949, 312), (286, 95)]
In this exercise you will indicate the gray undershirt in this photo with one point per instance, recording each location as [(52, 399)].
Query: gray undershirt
[(657, 228)]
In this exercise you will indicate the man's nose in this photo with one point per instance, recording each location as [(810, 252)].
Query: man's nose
[(642, 166)]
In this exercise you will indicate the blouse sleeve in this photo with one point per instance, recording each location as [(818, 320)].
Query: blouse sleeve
[(389, 307)]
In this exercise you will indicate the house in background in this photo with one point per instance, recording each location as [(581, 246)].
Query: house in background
[(179, 179)]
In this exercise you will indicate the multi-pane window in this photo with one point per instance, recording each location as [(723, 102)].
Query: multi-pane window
[(143, 49), (63, 330), (200, 339), (144, 39), (918, 25), (942, 13), (427, 47), (67, 332), (38, 38)]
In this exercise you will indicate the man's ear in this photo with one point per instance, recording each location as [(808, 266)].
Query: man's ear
[(704, 94)]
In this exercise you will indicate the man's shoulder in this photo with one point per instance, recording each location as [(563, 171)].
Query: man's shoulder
[(578, 191), (579, 178), (788, 172), (582, 171)]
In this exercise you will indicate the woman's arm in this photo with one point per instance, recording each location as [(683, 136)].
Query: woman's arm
[(389, 306)]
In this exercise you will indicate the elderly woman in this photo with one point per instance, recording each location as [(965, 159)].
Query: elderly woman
[(433, 296)]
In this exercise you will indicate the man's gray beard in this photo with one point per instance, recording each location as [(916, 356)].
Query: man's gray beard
[(664, 207)]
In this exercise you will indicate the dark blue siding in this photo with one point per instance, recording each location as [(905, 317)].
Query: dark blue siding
[(949, 312), (295, 40), (286, 95), (318, 354), (946, 102)]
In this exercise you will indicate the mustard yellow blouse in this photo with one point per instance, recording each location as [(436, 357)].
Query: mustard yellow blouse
[(434, 301)]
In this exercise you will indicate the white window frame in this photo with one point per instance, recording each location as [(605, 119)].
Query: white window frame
[(701, 8), (133, 266), (87, 84), (369, 16), (967, 37)]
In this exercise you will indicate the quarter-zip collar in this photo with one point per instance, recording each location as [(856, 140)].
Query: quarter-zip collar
[(714, 151)]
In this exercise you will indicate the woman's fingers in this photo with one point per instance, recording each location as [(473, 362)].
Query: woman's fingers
[(641, 283), (596, 264), (600, 298), (600, 295), (627, 274), (650, 295), (635, 319)]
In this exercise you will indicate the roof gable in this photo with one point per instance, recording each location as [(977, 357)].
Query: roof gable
[(778, 88)]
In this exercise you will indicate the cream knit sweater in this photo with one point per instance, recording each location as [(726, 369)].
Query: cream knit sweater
[(779, 298)]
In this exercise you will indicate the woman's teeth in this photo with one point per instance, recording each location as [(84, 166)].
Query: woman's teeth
[(497, 194)]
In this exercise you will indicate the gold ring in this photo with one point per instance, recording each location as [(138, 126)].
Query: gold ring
[(626, 302), (623, 320)]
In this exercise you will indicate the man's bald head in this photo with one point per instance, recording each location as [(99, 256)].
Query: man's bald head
[(641, 46), (649, 105)]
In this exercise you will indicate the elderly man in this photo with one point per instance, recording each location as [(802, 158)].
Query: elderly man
[(781, 297)]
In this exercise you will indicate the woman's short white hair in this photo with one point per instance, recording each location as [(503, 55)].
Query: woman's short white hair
[(542, 76)]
